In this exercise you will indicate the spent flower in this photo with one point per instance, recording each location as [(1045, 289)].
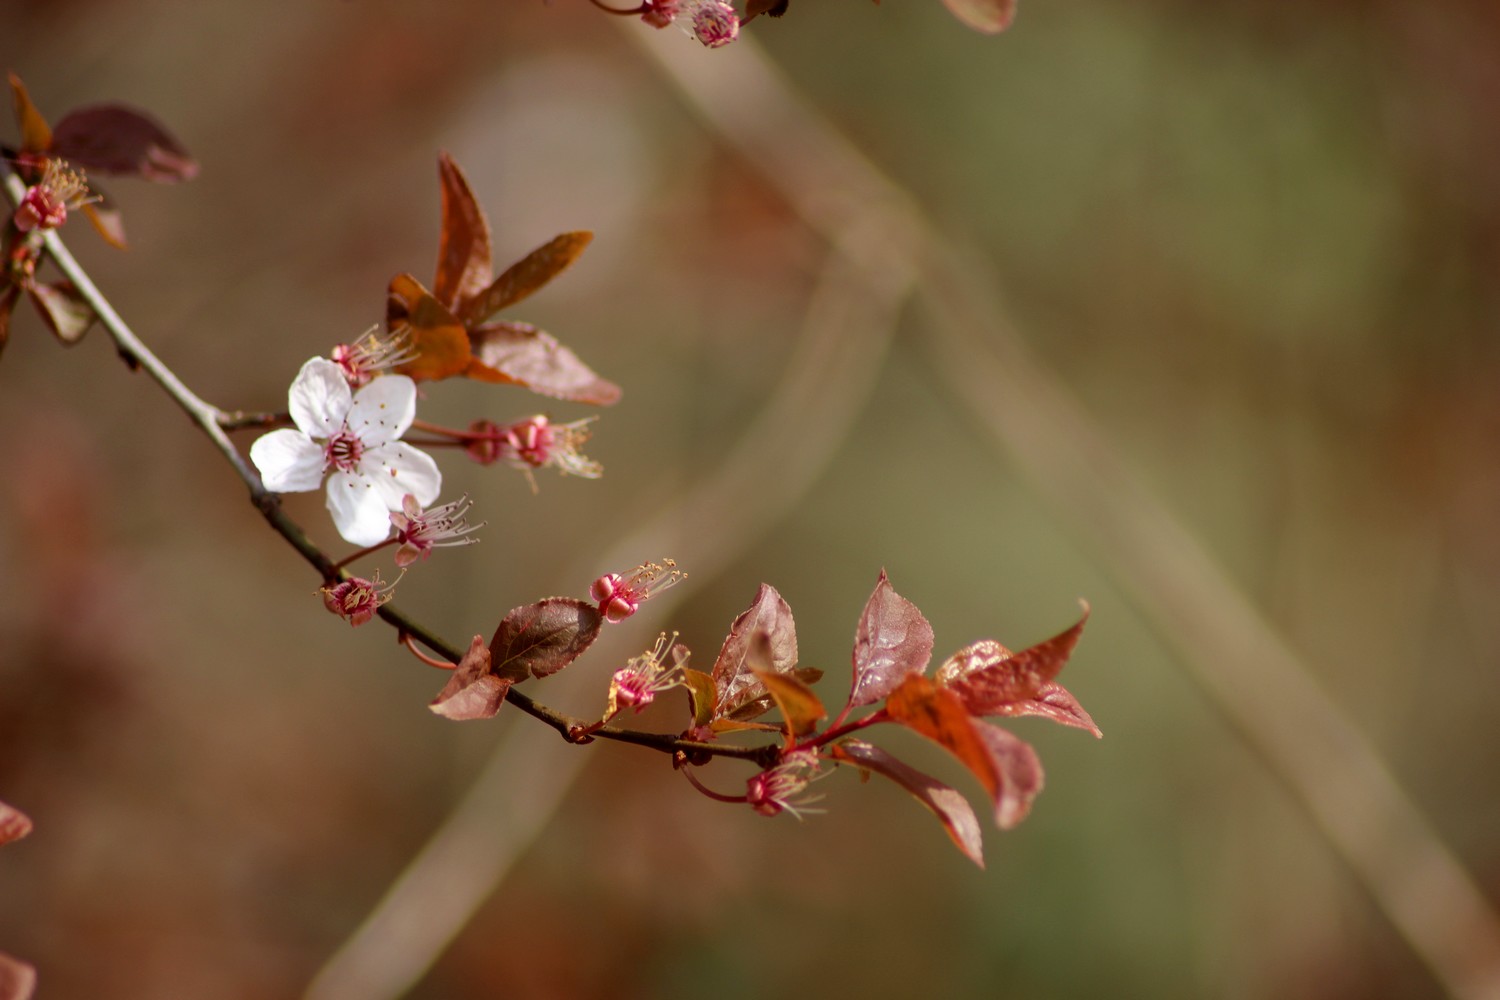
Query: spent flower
[(372, 354), (357, 599), (777, 790), (637, 684), (46, 203), (419, 531), (353, 438)]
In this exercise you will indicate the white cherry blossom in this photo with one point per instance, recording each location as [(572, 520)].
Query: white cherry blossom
[(354, 438)]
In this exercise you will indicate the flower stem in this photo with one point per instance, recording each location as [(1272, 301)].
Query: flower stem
[(687, 772), (406, 640)]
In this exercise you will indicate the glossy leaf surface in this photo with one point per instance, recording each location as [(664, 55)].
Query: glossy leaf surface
[(938, 714), (770, 617), (951, 808), (892, 642), (540, 639)]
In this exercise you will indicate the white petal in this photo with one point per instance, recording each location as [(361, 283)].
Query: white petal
[(358, 508), (383, 410), (289, 461), (398, 469), (319, 398)]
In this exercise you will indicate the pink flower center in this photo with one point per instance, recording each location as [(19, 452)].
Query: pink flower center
[(343, 452)]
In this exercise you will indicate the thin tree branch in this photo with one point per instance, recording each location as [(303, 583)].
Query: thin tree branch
[(213, 421)]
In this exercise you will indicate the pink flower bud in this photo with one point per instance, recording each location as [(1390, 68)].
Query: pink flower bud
[(620, 597)]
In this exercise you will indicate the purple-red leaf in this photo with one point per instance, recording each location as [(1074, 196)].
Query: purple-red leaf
[(988, 16), (463, 267), (14, 824), (951, 808), (520, 354), (939, 715), (799, 704), (17, 979), (893, 642), (35, 135), (769, 616), (63, 309), (991, 679), (117, 139), (524, 277), (438, 340), (473, 691), (542, 638), (1019, 769)]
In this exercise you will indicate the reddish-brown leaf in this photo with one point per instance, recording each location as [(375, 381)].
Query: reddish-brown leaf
[(893, 642), (988, 16), (463, 267), (105, 217), (1053, 702), (540, 639), (118, 139), (701, 695), (17, 979), (63, 309), (439, 341), (770, 616), (35, 135), (1019, 769), (14, 824), (473, 691), (989, 677), (524, 277), (520, 354), (939, 715), (951, 808), (799, 704)]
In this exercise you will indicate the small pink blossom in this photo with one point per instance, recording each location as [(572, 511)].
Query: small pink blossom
[(637, 684), (372, 354), (715, 24), (356, 599), (419, 531), (534, 443), (619, 597), (773, 791), (45, 204)]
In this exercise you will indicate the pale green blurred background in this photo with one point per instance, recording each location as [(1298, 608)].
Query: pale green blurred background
[(1260, 242)]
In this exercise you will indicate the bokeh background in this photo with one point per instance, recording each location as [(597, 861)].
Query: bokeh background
[(1259, 242)]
